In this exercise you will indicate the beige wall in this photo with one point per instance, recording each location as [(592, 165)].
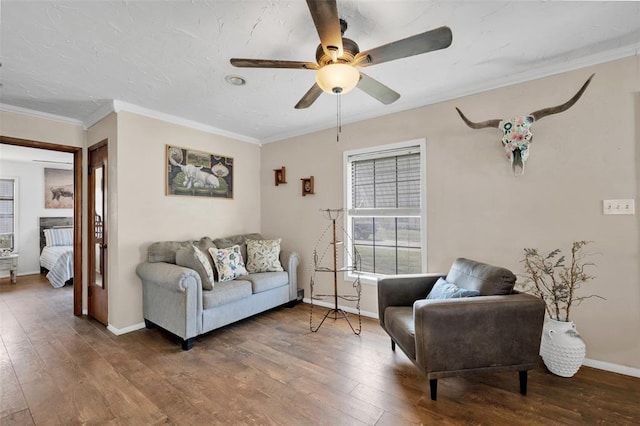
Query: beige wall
[(40, 129), (144, 214), (477, 209)]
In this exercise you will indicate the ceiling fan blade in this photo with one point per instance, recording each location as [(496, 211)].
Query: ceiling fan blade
[(325, 17), (309, 97), (272, 63), (377, 90), (437, 39)]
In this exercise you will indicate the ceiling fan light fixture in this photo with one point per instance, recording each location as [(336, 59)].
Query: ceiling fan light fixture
[(337, 78)]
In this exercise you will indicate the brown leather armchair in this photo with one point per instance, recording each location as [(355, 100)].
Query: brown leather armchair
[(497, 331)]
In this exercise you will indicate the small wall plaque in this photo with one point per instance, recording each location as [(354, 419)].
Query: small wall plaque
[(307, 186), (280, 175)]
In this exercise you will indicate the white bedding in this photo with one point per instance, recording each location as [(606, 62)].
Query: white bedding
[(59, 261)]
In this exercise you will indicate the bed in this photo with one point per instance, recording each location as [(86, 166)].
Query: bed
[(56, 250)]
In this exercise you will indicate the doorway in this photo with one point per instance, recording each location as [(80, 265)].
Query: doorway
[(77, 208), (98, 288)]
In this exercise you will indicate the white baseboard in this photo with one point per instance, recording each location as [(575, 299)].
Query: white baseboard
[(6, 274), (614, 368), (125, 330), (344, 308), (29, 273)]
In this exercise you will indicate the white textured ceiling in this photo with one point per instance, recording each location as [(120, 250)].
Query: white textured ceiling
[(75, 58)]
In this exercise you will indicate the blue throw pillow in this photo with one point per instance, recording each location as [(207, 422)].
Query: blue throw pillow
[(446, 290)]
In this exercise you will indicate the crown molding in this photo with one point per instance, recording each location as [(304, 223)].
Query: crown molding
[(125, 106), (104, 110), (40, 114)]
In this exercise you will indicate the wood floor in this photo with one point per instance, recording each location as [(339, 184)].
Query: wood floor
[(57, 369)]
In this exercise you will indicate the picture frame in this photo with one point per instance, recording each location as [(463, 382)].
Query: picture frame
[(58, 188), (307, 186), (280, 175), (198, 174)]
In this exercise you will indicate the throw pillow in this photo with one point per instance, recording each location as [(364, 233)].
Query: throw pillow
[(192, 257), (58, 236), (264, 256), (228, 263), (446, 290), (204, 244)]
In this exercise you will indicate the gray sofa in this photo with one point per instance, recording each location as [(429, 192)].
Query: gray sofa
[(498, 330), (176, 298)]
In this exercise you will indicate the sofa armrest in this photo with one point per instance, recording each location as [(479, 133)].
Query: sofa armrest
[(476, 332), (403, 290), (290, 261), (167, 275), (172, 297)]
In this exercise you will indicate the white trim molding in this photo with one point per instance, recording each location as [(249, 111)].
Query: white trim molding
[(125, 330), (40, 114), (124, 106), (614, 368), (344, 308)]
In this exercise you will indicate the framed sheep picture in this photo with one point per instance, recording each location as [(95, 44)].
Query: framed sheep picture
[(199, 174)]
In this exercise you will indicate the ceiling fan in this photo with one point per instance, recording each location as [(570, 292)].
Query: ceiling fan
[(337, 58)]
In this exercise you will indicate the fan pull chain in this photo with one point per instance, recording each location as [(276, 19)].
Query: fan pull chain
[(338, 117)]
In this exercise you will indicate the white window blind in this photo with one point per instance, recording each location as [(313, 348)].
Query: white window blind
[(385, 209)]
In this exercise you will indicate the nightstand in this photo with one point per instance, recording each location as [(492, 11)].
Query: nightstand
[(10, 263)]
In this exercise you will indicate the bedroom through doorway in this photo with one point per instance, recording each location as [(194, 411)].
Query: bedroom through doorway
[(56, 192)]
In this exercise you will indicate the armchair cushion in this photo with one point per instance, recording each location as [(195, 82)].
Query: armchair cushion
[(400, 324), (446, 290), (489, 280)]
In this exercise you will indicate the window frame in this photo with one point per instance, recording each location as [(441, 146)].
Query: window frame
[(385, 151), (15, 246)]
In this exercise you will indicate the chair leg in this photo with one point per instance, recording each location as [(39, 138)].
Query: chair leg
[(393, 345), (433, 385), (523, 382)]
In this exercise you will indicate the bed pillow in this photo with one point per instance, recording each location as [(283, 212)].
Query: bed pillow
[(193, 258), (263, 256), (445, 290), (58, 237), (229, 263)]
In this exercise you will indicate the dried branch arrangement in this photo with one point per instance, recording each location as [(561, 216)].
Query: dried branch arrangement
[(549, 278)]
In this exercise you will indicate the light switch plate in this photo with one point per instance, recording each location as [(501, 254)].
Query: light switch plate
[(626, 206)]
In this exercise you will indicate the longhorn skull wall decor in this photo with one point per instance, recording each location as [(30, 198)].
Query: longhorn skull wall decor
[(517, 134)]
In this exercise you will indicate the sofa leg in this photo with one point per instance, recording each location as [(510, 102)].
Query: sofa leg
[(523, 382), (433, 385), (393, 345), (187, 344), (148, 324)]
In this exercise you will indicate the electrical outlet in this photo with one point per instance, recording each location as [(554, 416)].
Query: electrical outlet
[(627, 206)]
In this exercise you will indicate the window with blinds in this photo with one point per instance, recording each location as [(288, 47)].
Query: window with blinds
[(385, 208), (7, 213)]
